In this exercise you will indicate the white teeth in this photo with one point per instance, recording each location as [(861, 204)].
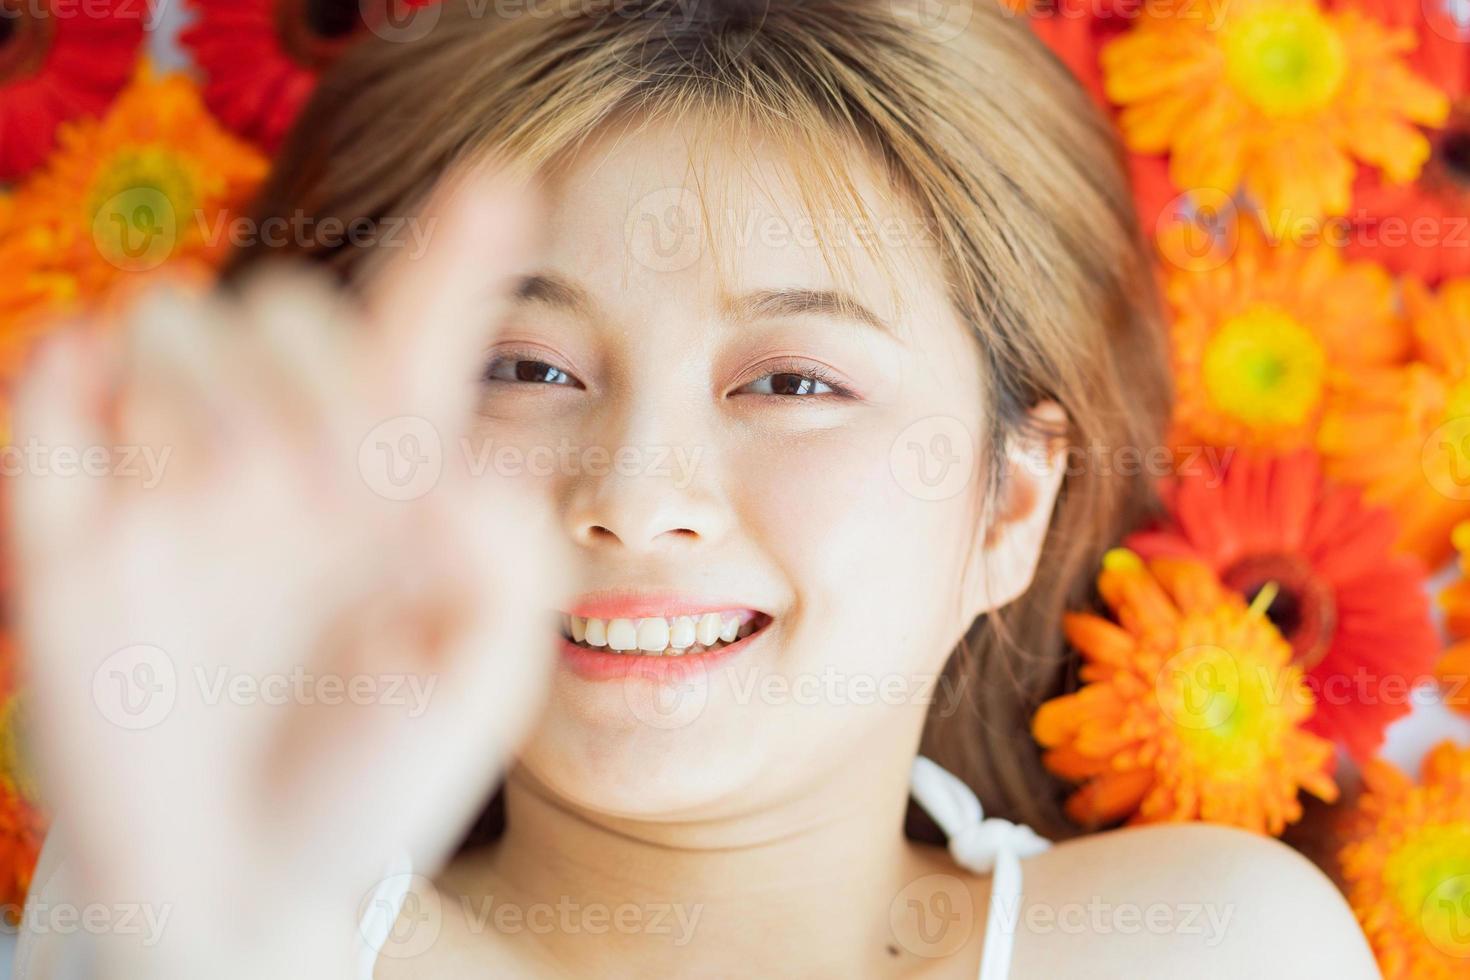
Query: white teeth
[(621, 635), (653, 635), (681, 635)]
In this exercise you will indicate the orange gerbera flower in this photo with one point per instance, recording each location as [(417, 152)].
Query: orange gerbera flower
[(1454, 667), (1278, 96), (1356, 615), (1261, 335), (1191, 709), (34, 293), (1403, 433), (151, 182), (1406, 866)]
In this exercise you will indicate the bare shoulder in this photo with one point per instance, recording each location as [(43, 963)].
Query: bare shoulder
[(1184, 900)]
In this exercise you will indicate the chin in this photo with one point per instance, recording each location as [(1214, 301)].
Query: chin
[(641, 772)]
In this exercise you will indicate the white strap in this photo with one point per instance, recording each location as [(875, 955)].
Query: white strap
[(982, 846), (381, 912)]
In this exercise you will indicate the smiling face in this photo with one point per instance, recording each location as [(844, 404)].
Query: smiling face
[(743, 442)]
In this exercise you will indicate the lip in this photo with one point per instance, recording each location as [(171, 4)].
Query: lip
[(592, 664)]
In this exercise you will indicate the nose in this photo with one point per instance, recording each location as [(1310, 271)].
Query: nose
[(648, 500)]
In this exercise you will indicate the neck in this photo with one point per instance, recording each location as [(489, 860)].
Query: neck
[(752, 888)]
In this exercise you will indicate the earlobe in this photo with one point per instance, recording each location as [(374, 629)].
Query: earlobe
[(1006, 555)]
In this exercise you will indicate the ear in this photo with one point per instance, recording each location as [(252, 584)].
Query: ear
[(1004, 559)]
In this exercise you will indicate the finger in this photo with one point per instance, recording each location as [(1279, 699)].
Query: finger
[(180, 393), (58, 405), (436, 310), (305, 332)]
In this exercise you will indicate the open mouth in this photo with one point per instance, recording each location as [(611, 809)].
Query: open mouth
[(664, 636)]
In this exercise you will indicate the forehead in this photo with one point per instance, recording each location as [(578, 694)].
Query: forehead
[(693, 212)]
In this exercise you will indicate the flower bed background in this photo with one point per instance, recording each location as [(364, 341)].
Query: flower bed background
[(1298, 617)]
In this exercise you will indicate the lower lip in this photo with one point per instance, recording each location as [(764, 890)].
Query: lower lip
[(594, 665)]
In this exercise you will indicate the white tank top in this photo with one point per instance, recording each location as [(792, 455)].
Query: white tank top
[(978, 844)]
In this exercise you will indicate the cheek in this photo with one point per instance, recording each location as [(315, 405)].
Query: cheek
[(875, 569)]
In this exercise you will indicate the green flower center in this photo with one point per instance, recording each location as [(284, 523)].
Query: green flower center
[(1429, 877), (1265, 369), (1285, 62), (1217, 700), (141, 203)]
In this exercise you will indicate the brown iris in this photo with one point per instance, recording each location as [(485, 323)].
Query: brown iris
[(1304, 609)]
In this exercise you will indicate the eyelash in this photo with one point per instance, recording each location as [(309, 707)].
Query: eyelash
[(806, 371), (815, 372), (517, 358)]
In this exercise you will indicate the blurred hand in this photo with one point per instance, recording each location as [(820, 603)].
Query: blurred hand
[(258, 678)]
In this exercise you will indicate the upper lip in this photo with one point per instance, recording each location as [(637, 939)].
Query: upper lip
[(638, 604)]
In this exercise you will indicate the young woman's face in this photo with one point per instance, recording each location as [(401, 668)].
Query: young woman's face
[(746, 432)]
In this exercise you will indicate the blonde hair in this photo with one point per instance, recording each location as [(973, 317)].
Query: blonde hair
[(1000, 154)]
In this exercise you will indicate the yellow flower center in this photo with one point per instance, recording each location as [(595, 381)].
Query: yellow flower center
[(1265, 369), (1284, 61), (1221, 709), (1457, 402), (1429, 877), (141, 202)]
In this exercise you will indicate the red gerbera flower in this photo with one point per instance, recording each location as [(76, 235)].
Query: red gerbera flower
[(1355, 612), (1421, 228), (261, 58), (56, 65)]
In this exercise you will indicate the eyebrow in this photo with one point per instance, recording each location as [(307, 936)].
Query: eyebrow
[(769, 304), (762, 304)]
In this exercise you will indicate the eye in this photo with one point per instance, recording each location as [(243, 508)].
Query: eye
[(788, 384), (796, 381), (526, 370)]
